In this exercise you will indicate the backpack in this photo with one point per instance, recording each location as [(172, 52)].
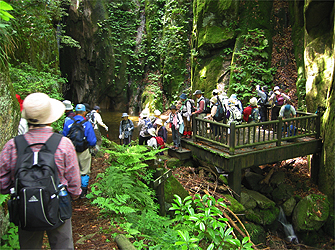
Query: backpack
[(191, 101), (148, 124), (77, 135), (279, 100), (220, 112), (254, 115), (90, 117), (266, 102), (160, 142), (235, 114), (35, 204), (207, 107)]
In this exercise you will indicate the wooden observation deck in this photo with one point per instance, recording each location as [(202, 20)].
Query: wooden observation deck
[(231, 148)]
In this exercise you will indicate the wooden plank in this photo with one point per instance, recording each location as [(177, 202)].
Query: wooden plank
[(161, 179)]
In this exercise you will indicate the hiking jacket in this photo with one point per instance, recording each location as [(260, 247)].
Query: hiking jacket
[(186, 108), (200, 105), (89, 131), (262, 95), (98, 120), (272, 98), (125, 125), (65, 159)]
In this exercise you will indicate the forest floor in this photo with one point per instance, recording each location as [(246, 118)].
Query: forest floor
[(93, 231)]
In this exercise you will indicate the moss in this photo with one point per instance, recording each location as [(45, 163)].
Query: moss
[(256, 232), (234, 206), (214, 35), (172, 186), (263, 216)]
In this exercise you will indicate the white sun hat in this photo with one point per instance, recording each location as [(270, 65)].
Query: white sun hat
[(253, 101), (39, 108), (152, 131), (157, 112), (159, 122), (68, 105)]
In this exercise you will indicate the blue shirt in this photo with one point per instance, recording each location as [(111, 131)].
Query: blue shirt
[(89, 131)]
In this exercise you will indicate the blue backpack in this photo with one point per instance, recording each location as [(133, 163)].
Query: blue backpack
[(77, 135), (148, 125)]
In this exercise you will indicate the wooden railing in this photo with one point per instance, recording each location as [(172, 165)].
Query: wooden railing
[(234, 136)]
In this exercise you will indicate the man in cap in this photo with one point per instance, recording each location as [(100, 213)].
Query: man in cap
[(97, 120), (201, 104), (84, 157), (126, 129), (40, 111)]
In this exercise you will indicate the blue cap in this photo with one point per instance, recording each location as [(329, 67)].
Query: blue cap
[(183, 96), (80, 107), (287, 107)]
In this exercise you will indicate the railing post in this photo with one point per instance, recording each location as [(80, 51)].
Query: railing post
[(194, 127), (318, 125), (232, 138), (279, 130), (160, 191)]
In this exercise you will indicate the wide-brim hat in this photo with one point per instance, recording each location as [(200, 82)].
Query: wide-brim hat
[(124, 115), (152, 131), (144, 114), (253, 101), (159, 122), (183, 96), (157, 112), (39, 108), (215, 91), (68, 105), (198, 92), (276, 88), (173, 107)]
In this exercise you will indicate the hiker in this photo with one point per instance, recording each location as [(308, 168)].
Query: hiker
[(186, 111), (89, 115), (236, 102), (288, 111), (251, 115), (176, 125), (68, 110), (263, 102), (156, 142), (97, 120), (203, 106), (161, 130), (89, 138), (144, 124), (23, 125), (40, 111), (157, 114), (233, 113), (126, 129), (215, 108), (278, 99)]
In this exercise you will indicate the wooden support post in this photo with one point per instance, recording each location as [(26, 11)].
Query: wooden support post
[(194, 127), (232, 138), (315, 167), (279, 132), (160, 192), (318, 125), (234, 181)]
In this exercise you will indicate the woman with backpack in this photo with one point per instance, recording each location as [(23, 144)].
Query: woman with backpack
[(144, 124), (186, 110), (217, 114), (278, 99), (126, 129)]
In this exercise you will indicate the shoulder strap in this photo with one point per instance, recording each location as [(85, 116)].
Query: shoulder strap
[(53, 142), (21, 144)]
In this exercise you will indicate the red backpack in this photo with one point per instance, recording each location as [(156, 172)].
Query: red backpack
[(279, 100), (160, 142)]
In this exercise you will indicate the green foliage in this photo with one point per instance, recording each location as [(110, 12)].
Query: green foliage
[(6, 41), (10, 240), (251, 67), (4, 7), (27, 80)]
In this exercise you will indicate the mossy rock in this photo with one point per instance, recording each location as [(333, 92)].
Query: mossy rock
[(235, 206), (172, 186), (289, 205), (262, 216), (256, 232), (282, 192), (174, 163), (262, 201), (247, 201), (329, 226), (223, 179), (311, 213)]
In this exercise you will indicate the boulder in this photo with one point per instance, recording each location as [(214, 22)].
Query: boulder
[(253, 180), (289, 205), (235, 206), (172, 186), (247, 201), (256, 232), (311, 213), (261, 201), (277, 178), (282, 192), (262, 216)]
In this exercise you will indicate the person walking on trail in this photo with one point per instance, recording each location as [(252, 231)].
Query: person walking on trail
[(278, 99), (40, 111), (215, 105), (186, 111), (233, 101), (126, 129), (157, 114), (97, 120), (201, 104), (176, 124), (144, 124), (263, 102), (156, 142), (251, 115), (83, 154), (68, 110), (161, 130), (288, 111)]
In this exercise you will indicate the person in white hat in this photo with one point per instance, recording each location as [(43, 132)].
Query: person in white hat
[(161, 130), (40, 111), (68, 110), (144, 124), (278, 99), (126, 129), (97, 120)]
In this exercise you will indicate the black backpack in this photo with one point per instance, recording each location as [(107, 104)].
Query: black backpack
[(77, 135), (220, 112), (207, 108), (35, 204)]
